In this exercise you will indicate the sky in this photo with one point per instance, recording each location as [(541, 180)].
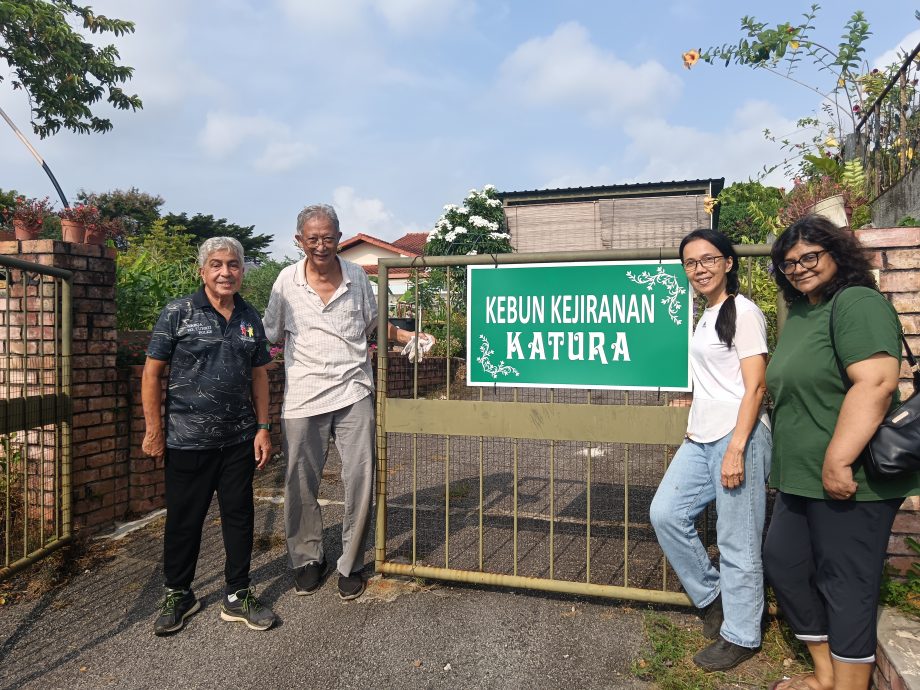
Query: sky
[(390, 109)]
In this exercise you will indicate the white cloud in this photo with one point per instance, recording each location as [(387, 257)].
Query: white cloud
[(567, 70), (225, 133), (369, 216), (407, 16), (400, 16), (738, 152), (899, 52)]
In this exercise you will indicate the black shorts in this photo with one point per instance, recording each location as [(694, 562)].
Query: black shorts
[(824, 560)]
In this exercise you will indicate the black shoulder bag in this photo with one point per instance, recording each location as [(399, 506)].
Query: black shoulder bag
[(894, 450)]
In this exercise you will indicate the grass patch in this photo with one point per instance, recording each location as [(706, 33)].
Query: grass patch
[(672, 645)]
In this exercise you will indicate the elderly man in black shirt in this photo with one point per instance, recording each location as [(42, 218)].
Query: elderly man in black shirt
[(217, 431)]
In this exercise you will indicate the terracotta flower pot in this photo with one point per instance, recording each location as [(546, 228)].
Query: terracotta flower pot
[(24, 231), (94, 235), (72, 231)]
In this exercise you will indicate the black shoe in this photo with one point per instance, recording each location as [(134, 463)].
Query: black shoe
[(712, 618), (243, 606), (178, 604), (308, 578), (722, 655), (351, 587)]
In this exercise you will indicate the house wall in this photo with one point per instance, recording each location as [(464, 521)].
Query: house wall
[(366, 254), (605, 224)]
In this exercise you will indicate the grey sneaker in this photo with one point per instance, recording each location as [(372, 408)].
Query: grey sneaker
[(712, 619), (178, 604), (243, 606)]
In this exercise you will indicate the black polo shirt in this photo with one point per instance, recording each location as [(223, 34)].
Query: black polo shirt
[(209, 399)]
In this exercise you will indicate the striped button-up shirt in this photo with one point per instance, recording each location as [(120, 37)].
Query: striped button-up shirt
[(326, 361)]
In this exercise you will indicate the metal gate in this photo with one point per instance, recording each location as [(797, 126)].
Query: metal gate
[(546, 489), (35, 411)]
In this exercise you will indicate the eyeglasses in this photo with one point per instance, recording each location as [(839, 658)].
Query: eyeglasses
[(809, 260), (316, 241), (706, 262)]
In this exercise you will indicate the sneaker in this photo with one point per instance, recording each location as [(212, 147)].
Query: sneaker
[(712, 618), (178, 604), (243, 606), (722, 655), (309, 578), (351, 586)]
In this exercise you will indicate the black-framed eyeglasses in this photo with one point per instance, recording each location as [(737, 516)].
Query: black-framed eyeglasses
[(706, 262), (809, 260), (316, 241)]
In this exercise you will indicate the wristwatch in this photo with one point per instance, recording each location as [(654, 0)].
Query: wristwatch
[(267, 427)]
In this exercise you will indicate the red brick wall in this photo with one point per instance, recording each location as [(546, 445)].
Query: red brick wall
[(896, 254), (99, 461)]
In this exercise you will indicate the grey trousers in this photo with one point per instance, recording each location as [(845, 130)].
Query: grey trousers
[(305, 441)]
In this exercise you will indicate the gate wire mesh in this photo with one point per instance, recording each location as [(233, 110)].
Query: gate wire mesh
[(553, 510), (35, 332)]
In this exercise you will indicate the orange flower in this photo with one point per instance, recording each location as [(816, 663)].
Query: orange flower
[(691, 57)]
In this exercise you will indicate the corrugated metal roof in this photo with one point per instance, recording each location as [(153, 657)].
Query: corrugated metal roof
[(710, 186)]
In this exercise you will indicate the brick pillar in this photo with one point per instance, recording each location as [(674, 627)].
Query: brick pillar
[(99, 467), (896, 255)]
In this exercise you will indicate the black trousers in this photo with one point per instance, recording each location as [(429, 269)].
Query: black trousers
[(192, 477), (824, 560)]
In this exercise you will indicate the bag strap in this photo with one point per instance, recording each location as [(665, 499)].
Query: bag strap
[(914, 367)]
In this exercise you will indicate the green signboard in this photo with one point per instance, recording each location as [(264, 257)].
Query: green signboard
[(624, 325)]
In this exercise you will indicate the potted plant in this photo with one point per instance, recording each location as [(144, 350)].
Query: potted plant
[(103, 229), (27, 216), (75, 219)]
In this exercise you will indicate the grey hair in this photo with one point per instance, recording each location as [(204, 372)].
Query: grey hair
[(317, 211), (216, 244)]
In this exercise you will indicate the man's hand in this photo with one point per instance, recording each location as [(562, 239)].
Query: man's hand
[(263, 448), (838, 480), (154, 444), (733, 468)]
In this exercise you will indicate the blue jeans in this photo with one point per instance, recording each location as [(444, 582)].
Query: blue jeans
[(694, 479)]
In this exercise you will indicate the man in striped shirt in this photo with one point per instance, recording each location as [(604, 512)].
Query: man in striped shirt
[(324, 308)]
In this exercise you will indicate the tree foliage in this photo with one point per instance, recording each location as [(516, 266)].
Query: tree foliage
[(744, 210), (258, 282), (63, 74), (150, 273), (136, 210), (201, 227)]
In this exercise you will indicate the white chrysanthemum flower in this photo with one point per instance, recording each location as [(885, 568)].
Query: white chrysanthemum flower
[(460, 230), (500, 235), (450, 207), (472, 252), (494, 202), (464, 211), (489, 188), (443, 224)]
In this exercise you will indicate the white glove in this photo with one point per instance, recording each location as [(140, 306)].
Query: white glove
[(413, 349)]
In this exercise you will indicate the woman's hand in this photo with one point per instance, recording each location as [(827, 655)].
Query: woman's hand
[(838, 481), (733, 468)]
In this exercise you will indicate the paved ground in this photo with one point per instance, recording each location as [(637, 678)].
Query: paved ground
[(96, 632)]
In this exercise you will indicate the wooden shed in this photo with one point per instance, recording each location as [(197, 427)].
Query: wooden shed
[(654, 214)]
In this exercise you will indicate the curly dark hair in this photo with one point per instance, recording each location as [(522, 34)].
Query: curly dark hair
[(853, 267)]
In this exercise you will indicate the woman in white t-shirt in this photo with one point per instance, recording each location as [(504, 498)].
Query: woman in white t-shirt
[(725, 457)]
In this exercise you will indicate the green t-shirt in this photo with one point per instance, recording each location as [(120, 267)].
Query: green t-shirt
[(807, 392)]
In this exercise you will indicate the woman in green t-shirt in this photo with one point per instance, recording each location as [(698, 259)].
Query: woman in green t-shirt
[(826, 544)]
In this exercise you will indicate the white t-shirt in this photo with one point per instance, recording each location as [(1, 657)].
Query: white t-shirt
[(717, 383)]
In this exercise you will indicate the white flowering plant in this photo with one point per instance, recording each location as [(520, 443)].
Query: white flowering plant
[(476, 227)]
